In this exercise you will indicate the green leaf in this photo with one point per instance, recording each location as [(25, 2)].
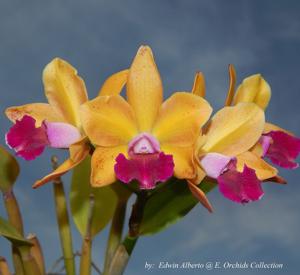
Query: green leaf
[(166, 206), (9, 170), (105, 200), (10, 233)]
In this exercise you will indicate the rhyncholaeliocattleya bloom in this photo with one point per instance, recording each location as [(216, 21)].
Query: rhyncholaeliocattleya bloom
[(236, 140), (145, 138), (56, 124), (280, 146)]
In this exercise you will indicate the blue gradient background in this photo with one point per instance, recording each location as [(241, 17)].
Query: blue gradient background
[(101, 37)]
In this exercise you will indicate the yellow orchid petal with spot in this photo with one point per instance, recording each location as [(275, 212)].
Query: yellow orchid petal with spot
[(144, 88), (180, 119), (234, 130), (254, 89), (114, 84), (79, 148), (199, 85), (262, 169), (103, 161), (108, 121), (64, 89), (39, 111), (183, 159)]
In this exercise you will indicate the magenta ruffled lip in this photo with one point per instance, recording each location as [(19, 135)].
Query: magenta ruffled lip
[(241, 187), (283, 149), (147, 169), (146, 163), (29, 141)]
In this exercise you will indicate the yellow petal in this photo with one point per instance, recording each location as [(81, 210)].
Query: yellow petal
[(114, 84), (183, 160), (108, 120), (64, 89), (232, 81), (234, 130), (78, 153), (103, 161), (144, 88), (199, 85), (262, 169), (257, 149), (254, 89), (39, 111), (78, 148), (198, 152), (200, 195), (180, 119)]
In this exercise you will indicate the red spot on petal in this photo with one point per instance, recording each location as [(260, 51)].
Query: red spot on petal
[(27, 140), (148, 169), (241, 187), (283, 150)]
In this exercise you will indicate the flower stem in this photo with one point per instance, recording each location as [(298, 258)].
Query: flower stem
[(63, 223), (30, 265), (86, 251), (137, 213), (115, 234), (122, 255), (13, 210), (17, 261), (36, 252), (124, 250), (15, 218)]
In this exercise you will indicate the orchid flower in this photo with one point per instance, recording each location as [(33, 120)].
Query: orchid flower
[(143, 138), (233, 138), (56, 124), (276, 144), (225, 155)]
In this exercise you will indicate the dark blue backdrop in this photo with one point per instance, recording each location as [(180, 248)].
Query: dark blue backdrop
[(101, 37)]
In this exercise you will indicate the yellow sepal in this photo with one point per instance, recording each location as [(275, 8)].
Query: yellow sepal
[(254, 89)]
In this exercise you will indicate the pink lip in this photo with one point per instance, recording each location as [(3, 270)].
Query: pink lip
[(283, 149), (146, 163), (29, 141), (147, 169)]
